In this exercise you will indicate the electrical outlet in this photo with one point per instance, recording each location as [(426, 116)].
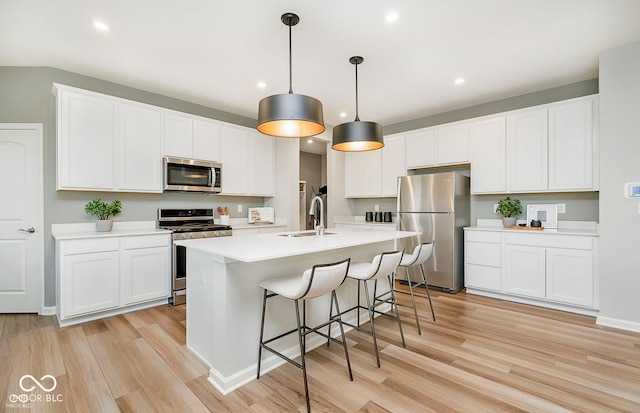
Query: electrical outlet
[(376, 208), (495, 207), (562, 208), (239, 207)]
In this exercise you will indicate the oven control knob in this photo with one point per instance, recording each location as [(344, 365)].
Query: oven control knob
[(183, 236), (204, 235), (191, 235), (217, 233)]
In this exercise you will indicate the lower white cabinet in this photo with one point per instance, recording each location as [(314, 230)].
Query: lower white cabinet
[(556, 271), (108, 274)]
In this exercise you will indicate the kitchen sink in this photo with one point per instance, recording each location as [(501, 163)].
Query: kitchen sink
[(304, 234)]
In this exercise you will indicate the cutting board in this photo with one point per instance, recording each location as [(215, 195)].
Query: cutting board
[(261, 215), (527, 228)]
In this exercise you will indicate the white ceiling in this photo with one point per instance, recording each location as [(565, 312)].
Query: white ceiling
[(214, 52)]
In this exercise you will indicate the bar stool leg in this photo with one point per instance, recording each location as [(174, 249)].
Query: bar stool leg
[(338, 317), (302, 362), (373, 328), (413, 300), (426, 286), (264, 307), (395, 303)]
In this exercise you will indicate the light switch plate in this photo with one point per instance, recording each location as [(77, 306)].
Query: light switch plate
[(562, 208)]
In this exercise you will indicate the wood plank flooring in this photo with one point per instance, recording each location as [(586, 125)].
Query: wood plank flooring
[(482, 355)]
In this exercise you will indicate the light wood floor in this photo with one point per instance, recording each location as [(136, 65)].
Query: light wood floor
[(480, 355)]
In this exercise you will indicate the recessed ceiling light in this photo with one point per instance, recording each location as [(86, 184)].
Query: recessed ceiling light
[(459, 81), (343, 114), (391, 17), (262, 85), (310, 141), (101, 26)]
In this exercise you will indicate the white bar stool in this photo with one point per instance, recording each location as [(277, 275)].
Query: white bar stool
[(383, 265), (420, 254), (314, 282)]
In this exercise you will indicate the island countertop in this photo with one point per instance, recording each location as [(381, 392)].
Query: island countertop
[(260, 247)]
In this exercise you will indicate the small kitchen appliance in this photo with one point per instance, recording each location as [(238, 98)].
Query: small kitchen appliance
[(187, 224)]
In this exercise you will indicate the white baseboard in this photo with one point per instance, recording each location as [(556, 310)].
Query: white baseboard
[(617, 323), (49, 310)]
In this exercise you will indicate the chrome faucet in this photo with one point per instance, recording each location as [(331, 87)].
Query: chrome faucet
[(318, 227)]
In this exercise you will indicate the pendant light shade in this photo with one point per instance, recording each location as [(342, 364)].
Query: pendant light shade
[(357, 135), (290, 115)]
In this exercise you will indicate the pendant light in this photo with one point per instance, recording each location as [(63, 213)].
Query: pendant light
[(289, 115), (357, 135)]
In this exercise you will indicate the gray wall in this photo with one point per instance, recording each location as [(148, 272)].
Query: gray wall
[(620, 163), (26, 97)]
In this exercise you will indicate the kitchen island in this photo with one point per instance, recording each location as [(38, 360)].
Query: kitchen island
[(224, 299)]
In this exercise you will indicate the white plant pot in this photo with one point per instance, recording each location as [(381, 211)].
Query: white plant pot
[(508, 221), (104, 225)]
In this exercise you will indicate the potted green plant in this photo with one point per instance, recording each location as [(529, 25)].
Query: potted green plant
[(510, 209), (103, 210)]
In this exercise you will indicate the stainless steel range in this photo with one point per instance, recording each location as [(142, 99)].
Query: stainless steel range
[(187, 224)]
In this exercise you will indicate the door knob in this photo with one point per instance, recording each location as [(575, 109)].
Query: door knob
[(29, 230)]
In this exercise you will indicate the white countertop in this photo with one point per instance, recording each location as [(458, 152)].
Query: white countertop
[(554, 231), (120, 229), (260, 247)]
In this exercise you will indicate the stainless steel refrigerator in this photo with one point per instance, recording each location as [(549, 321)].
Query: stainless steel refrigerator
[(438, 206)]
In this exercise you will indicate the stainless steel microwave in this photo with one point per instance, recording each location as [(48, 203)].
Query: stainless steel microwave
[(192, 175)]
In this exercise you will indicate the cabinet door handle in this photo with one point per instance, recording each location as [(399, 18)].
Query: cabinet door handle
[(29, 230)]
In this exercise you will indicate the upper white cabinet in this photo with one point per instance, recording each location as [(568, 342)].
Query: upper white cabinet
[(139, 148), (187, 136), (527, 150), (107, 144), (248, 162), (488, 155), (437, 146), (452, 144), (571, 145), (393, 164), (375, 173), (86, 140), (545, 148), (421, 148)]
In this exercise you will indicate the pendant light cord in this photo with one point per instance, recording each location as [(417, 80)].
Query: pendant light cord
[(357, 117), (290, 64)]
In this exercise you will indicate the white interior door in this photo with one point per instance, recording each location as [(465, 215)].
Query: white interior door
[(21, 218)]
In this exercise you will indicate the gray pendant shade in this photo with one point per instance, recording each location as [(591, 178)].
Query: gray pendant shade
[(357, 136), (289, 115)]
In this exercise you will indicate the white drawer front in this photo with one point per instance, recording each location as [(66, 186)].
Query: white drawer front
[(482, 236), (551, 241), (85, 246), (146, 241), (479, 276), (483, 254)]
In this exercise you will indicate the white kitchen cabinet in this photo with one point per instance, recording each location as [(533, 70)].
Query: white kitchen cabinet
[(248, 162), (487, 141), (191, 137), (139, 148), (89, 276), (106, 143), (452, 144), (525, 269), (527, 169), (108, 275), (483, 260), (146, 268), (363, 174), (570, 276), (86, 138), (393, 164), (262, 165), (206, 140), (372, 174), (421, 149), (550, 270), (571, 143)]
